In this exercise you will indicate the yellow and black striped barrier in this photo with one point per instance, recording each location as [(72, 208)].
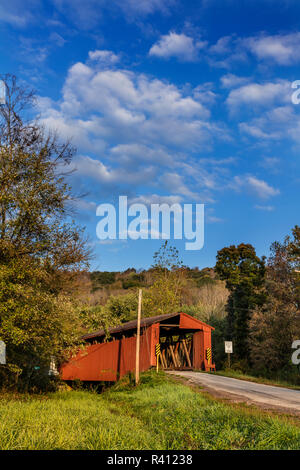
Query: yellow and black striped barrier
[(208, 355), (157, 353)]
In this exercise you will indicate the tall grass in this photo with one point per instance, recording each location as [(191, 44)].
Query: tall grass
[(69, 420), (159, 414)]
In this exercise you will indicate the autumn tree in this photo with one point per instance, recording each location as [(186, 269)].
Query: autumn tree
[(293, 248), (244, 274), (276, 324), (40, 254), (166, 293)]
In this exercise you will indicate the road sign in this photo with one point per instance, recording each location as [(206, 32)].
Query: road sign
[(2, 352), (2, 92), (228, 347)]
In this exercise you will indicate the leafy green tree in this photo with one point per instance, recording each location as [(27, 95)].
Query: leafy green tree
[(244, 274), (40, 254)]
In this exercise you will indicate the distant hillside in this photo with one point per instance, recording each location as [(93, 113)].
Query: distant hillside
[(131, 278)]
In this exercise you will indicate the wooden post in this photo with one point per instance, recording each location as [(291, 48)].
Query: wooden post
[(137, 353)]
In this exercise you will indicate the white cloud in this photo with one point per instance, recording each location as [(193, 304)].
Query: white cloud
[(261, 188), (114, 104), (16, 13), (264, 208), (278, 49), (174, 182), (258, 187), (282, 49), (276, 123), (90, 14), (132, 130), (156, 199), (104, 57), (232, 81), (132, 153), (176, 45), (139, 134), (57, 39), (260, 94), (145, 7), (270, 162), (255, 131), (98, 171)]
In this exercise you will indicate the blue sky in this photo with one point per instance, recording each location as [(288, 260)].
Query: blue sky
[(169, 101)]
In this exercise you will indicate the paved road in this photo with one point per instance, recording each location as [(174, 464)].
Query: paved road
[(241, 390)]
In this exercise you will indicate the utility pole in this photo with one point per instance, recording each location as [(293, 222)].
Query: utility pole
[(138, 335)]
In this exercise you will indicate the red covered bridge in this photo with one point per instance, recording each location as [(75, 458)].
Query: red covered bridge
[(185, 343)]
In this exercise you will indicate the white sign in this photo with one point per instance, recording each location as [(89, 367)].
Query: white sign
[(53, 369), (2, 352), (2, 92), (228, 347)]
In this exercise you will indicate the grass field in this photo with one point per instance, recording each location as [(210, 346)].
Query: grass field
[(159, 414)]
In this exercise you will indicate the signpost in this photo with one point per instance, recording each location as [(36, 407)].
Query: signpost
[(2, 353), (228, 350)]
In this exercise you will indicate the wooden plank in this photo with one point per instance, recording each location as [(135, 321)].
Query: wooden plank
[(164, 359), (172, 354), (161, 361), (165, 356), (186, 353), (177, 354), (182, 354)]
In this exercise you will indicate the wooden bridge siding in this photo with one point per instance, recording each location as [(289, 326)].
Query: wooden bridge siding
[(110, 361), (201, 341)]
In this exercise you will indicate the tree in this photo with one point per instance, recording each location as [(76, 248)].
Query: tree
[(244, 274), (276, 324), (293, 247), (40, 254), (165, 294)]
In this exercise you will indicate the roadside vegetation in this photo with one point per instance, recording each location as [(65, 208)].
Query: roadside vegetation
[(160, 414)]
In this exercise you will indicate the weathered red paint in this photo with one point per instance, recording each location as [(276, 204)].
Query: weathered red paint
[(110, 361)]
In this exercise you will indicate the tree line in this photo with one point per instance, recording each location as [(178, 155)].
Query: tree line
[(263, 308)]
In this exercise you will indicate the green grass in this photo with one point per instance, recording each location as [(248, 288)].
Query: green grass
[(257, 379), (160, 414)]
